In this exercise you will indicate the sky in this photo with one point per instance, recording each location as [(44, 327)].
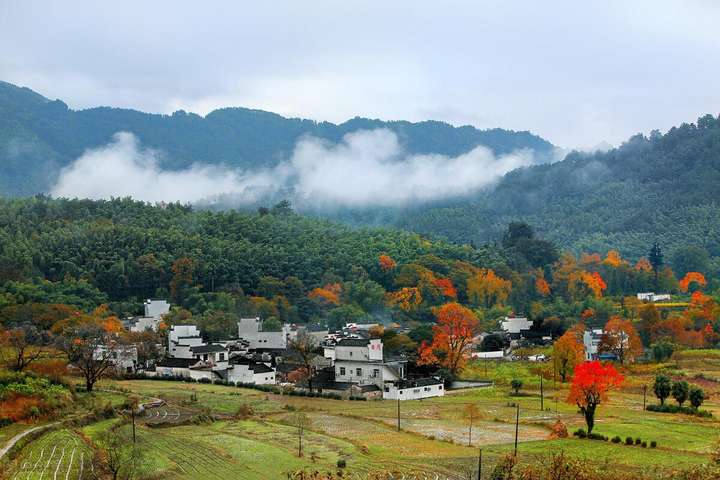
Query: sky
[(579, 74)]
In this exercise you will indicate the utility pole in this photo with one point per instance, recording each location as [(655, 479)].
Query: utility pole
[(517, 423), (644, 396), (398, 411), (132, 409), (480, 465), (542, 400)]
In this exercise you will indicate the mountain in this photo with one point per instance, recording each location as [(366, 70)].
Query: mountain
[(39, 136), (663, 188)]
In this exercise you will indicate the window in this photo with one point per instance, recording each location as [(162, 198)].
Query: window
[(351, 353), (342, 370), (376, 372), (358, 371), (222, 357), (440, 387)]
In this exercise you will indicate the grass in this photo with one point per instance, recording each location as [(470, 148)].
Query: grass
[(60, 453), (433, 434)]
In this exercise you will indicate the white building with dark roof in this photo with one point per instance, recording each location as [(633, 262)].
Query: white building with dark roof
[(251, 330), (154, 310), (181, 339)]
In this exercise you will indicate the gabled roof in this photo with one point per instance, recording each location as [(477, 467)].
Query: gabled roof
[(170, 362), (208, 348), (261, 368)]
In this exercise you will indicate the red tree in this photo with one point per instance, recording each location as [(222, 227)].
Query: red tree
[(452, 338), (590, 386)]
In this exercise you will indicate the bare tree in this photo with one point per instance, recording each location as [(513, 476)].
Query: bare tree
[(305, 346), (119, 456), (91, 350), (302, 422), (471, 412), (23, 346)]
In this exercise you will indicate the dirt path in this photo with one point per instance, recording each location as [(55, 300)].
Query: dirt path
[(20, 435)]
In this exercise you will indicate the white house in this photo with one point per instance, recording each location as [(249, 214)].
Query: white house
[(250, 330), (214, 355), (248, 371), (181, 339), (514, 326), (154, 310), (497, 355), (591, 341), (653, 297), (124, 358), (414, 389), (361, 361), (174, 367)]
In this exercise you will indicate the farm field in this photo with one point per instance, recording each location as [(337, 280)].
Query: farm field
[(206, 431)]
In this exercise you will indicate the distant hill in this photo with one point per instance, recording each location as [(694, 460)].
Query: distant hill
[(39, 136), (663, 188)]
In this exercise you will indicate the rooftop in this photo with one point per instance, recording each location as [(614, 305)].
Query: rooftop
[(208, 348)]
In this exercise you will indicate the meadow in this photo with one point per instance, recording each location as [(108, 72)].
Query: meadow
[(207, 431)]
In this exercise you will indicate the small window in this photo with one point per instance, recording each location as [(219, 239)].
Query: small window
[(440, 387), (222, 357), (351, 353), (342, 370), (358, 371), (376, 372)]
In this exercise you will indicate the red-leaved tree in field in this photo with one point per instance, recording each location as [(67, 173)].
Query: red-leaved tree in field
[(452, 338), (590, 386)]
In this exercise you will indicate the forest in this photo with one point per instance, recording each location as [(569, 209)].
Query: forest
[(60, 256)]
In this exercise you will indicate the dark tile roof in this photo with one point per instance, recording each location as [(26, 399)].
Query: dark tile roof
[(208, 348), (176, 362), (354, 342), (419, 382), (261, 368)]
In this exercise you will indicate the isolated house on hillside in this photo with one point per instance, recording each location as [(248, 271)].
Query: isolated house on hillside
[(515, 326)]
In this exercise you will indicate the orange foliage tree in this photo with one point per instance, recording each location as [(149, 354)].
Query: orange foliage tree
[(386, 263), (643, 265), (328, 295), (590, 386), (690, 277), (446, 287), (452, 338), (568, 351), (542, 287), (613, 259), (407, 298), (620, 338), (487, 288)]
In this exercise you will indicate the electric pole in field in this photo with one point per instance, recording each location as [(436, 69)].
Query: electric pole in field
[(480, 465), (132, 409), (542, 400), (517, 423), (644, 396), (398, 412)]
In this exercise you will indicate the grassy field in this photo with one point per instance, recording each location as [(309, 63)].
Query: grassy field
[(180, 440)]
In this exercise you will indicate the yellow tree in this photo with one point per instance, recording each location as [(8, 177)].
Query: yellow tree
[(568, 351), (452, 338), (486, 288)]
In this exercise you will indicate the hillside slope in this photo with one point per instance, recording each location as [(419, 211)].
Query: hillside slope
[(663, 188), (38, 137)]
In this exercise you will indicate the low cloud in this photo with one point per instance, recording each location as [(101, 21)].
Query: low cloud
[(366, 169)]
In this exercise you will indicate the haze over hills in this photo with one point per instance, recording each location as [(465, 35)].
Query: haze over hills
[(428, 177), (38, 137)]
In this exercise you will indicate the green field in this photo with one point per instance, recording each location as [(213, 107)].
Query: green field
[(205, 438)]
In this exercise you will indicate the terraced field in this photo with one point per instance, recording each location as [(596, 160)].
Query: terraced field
[(58, 455)]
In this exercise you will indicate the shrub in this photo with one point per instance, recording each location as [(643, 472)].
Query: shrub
[(697, 397), (516, 385), (629, 441), (580, 433), (341, 463), (680, 391), (616, 439), (676, 409), (597, 436), (638, 441), (644, 444), (653, 444)]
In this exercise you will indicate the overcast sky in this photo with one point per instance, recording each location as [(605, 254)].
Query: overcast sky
[(575, 72)]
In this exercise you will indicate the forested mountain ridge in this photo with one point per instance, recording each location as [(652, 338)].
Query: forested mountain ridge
[(39, 136), (663, 187)]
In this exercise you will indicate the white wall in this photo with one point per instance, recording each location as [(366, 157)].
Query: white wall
[(250, 329), (391, 392)]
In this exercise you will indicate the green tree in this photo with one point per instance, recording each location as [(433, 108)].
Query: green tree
[(697, 397), (662, 387), (680, 392)]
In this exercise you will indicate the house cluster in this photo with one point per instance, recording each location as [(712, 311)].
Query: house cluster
[(251, 358), (357, 366), (154, 310)]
